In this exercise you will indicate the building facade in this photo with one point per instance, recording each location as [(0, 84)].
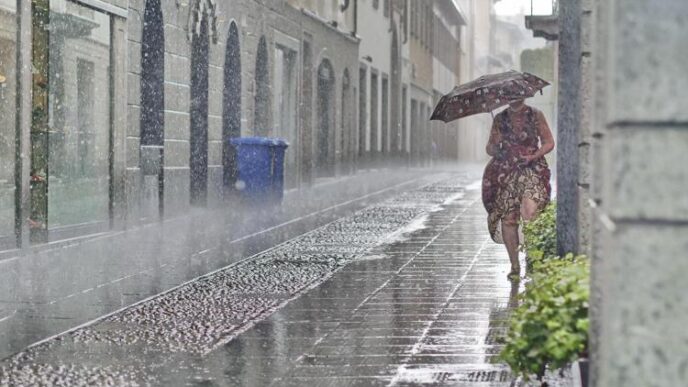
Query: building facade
[(129, 111), (476, 49), (448, 24)]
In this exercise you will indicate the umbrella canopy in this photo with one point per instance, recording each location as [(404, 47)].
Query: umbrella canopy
[(486, 94)]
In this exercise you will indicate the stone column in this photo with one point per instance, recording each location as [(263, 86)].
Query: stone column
[(24, 121), (568, 126), (585, 132), (640, 180)]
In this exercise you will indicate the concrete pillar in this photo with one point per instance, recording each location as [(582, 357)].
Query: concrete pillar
[(23, 130), (568, 126), (586, 130), (639, 177)]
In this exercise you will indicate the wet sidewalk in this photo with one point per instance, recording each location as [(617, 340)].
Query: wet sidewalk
[(424, 311), (409, 291), (49, 289)]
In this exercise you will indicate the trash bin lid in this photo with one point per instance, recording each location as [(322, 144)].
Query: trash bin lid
[(264, 141), (279, 142), (250, 141)]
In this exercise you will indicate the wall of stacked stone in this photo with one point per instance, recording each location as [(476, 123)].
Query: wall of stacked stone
[(253, 19), (568, 123), (638, 186)]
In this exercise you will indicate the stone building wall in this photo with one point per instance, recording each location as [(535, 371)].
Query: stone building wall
[(635, 213), (145, 182), (268, 19)]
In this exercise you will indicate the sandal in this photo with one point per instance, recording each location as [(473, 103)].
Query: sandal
[(515, 273)]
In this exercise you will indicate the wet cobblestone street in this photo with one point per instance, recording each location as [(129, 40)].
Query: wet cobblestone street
[(409, 291)]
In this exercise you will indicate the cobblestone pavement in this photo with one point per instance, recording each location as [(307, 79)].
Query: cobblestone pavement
[(48, 289), (410, 291)]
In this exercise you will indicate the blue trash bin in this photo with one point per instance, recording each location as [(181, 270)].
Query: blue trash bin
[(260, 168)]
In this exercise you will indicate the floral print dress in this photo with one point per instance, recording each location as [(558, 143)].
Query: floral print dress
[(507, 180)]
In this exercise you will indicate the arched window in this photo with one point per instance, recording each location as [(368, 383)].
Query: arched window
[(231, 104), (325, 118), (199, 116), (152, 106), (152, 75), (262, 96)]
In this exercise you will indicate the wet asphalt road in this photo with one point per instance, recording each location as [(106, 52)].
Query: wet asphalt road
[(409, 291)]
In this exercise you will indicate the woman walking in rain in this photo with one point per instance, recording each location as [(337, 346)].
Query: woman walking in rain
[(516, 181)]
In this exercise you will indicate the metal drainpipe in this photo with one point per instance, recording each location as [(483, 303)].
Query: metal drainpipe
[(355, 17), (405, 17), (345, 6)]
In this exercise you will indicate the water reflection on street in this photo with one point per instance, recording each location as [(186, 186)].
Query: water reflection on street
[(425, 308)]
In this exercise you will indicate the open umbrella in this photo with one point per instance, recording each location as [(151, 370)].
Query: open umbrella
[(486, 94)]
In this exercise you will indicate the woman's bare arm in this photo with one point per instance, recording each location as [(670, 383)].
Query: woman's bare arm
[(546, 138), (493, 147)]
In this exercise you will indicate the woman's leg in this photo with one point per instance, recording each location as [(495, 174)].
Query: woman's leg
[(528, 209), (510, 237)]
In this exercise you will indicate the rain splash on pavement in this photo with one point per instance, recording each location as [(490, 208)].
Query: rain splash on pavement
[(406, 292)]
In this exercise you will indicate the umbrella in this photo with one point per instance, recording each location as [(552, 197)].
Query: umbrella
[(487, 93)]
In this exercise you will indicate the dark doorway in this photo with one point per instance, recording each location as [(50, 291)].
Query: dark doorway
[(404, 137), (262, 96), (325, 117), (152, 109), (362, 116), (374, 136), (345, 135), (413, 143), (395, 94), (231, 106), (307, 114), (384, 109), (199, 117)]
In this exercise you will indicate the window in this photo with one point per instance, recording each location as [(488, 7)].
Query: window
[(76, 120), (376, 4), (385, 8), (8, 109), (284, 107)]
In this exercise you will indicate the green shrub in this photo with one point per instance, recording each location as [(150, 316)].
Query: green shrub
[(541, 235), (550, 327)]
